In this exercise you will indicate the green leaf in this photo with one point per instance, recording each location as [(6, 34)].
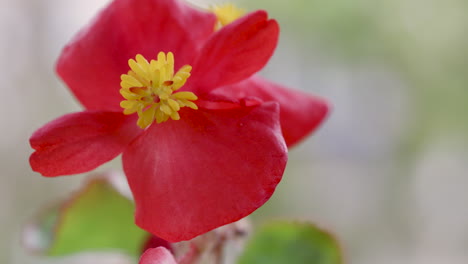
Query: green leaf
[(97, 218), (292, 243)]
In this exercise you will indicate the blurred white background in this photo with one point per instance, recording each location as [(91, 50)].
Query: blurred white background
[(386, 173)]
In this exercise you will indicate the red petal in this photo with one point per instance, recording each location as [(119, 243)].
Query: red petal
[(210, 168), (80, 142), (159, 255), (300, 113), (154, 241), (91, 64), (235, 52)]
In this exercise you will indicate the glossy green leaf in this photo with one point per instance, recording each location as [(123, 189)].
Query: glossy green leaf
[(291, 243), (96, 218)]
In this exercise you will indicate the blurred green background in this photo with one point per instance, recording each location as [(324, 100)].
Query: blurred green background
[(387, 172)]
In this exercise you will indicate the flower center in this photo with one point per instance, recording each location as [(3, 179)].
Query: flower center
[(226, 14), (149, 89)]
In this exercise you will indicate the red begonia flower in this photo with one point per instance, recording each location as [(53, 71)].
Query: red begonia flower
[(159, 255), (300, 114), (226, 154)]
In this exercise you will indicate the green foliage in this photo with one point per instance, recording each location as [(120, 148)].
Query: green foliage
[(292, 243), (97, 218)]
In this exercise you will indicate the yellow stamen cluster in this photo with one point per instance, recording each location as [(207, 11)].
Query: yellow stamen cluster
[(149, 89), (226, 14)]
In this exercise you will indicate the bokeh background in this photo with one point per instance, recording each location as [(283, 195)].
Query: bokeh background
[(387, 173)]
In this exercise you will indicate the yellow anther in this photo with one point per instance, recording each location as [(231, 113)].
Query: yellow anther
[(149, 89), (226, 14)]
